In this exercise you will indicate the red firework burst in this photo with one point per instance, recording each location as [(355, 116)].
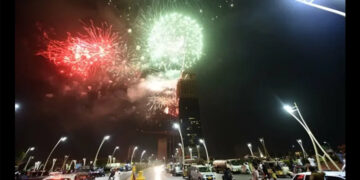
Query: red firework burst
[(81, 55)]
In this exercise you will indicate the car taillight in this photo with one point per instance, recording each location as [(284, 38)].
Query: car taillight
[(300, 177)]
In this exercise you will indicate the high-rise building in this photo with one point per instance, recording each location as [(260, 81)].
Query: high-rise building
[(189, 112)]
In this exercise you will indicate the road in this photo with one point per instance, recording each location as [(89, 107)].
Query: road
[(159, 173)]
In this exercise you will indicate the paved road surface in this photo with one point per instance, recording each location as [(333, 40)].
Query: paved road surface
[(159, 173)]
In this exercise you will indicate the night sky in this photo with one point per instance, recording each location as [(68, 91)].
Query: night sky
[(257, 56)]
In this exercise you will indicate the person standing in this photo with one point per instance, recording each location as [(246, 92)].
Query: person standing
[(255, 173), (227, 174)]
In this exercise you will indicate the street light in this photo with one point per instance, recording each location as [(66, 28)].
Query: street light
[(198, 150), (302, 148), (109, 159), (97, 153), (53, 164), (27, 151), (27, 163), (263, 144), (202, 141), (177, 126), (116, 148), (132, 155), (62, 139), (84, 161), (190, 150), (142, 154), (65, 159), (302, 122), (250, 147)]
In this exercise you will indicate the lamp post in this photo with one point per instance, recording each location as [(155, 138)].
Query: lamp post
[(198, 151), (142, 154), (109, 159), (302, 148), (116, 148), (27, 163), (302, 122), (202, 141), (132, 155), (62, 139), (177, 126), (190, 150), (97, 153), (53, 164), (250, 147), (65, 159), (263, 144), (113, 160), (27, 151)]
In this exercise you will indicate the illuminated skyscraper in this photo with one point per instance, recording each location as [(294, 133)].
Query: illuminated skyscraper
[(189, 112)]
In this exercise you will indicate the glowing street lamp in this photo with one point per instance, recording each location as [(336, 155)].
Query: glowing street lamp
[(177, 126), (132, 155), (202, 141), (198, 151), (250, 147), (97, 153), (27, 151), (302, 148), (263, 144), (302, 122), (116, 148), (27, 163), (190, 150), (142, 154), (65, 159), (62, 139), (53, 164)]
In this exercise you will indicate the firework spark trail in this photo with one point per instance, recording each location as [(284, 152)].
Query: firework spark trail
[(82, 55)]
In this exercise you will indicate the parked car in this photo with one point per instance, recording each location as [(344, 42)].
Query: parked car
[(234, 165), (329, 175), (72, 176), (201, 172), (177, 171)]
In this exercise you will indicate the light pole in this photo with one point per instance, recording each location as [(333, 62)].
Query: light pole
[(302, 148), (142, 154), (250, 147), (177, 126), (198, 151), (62, 139), (263, 144), (260, 153), (290, 110), (132, 155), (27, 151), (190, 150), (116, 148), (53, 164), (109, 159), (65, 159), (113, 160), (97, 153), (27, 163), (84, 162), (202, 141)]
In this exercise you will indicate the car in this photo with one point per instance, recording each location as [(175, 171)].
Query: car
[(234, 165), (177, 171), (329, 175), (72, 176), (220, 165), (201, 172)]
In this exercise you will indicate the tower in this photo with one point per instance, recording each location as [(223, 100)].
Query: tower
[(189, 112)]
